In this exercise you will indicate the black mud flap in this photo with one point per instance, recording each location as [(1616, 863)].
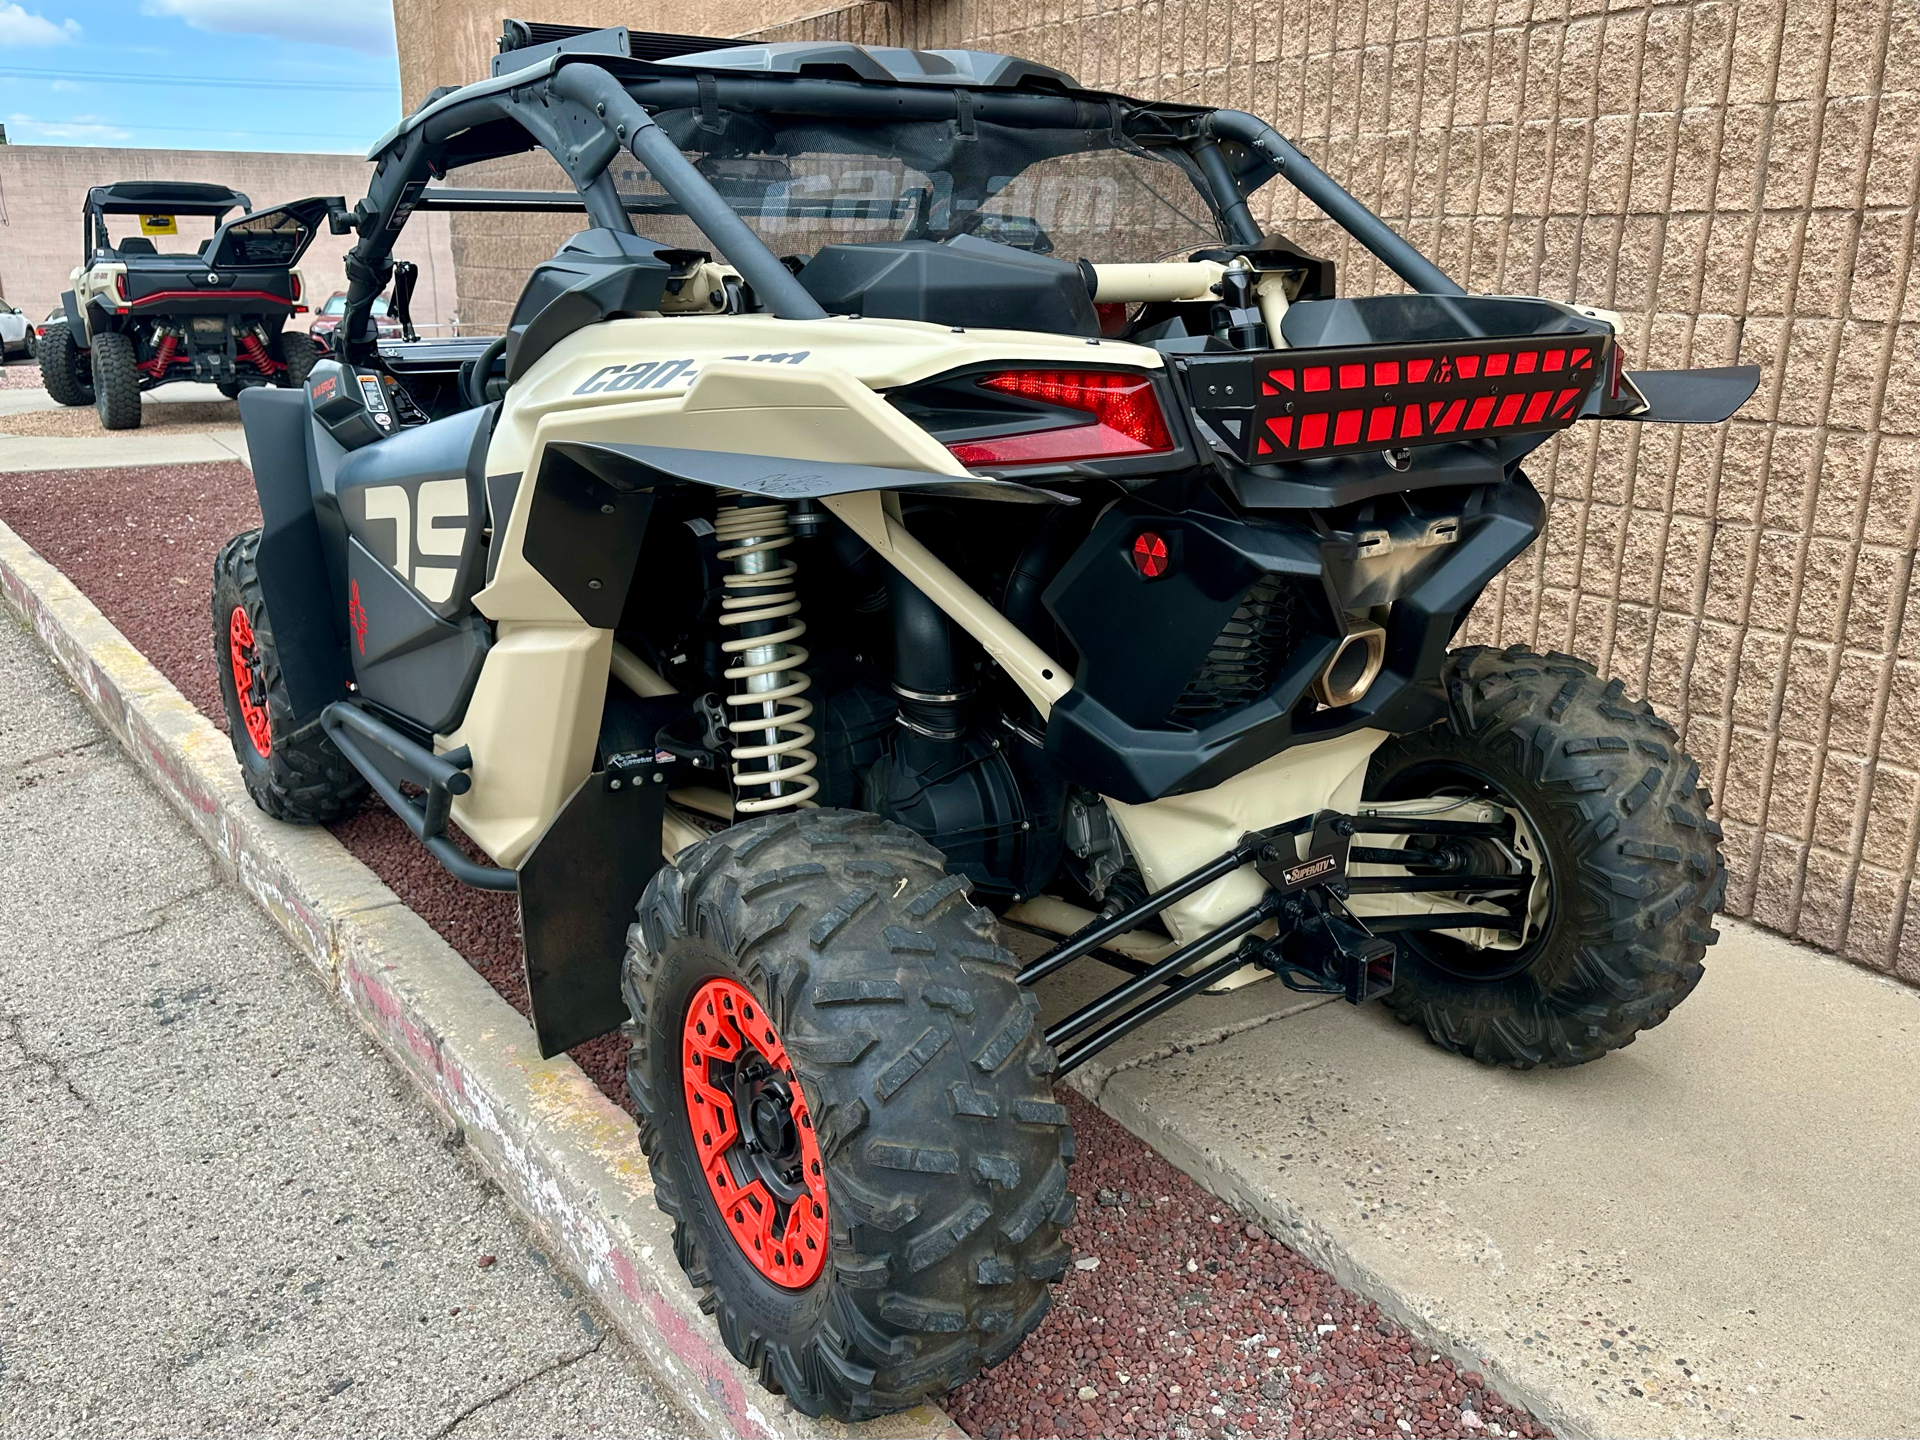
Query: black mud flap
[(578, 890)]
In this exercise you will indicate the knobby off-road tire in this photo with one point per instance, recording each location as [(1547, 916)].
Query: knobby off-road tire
[(65, 369), (926, 1080), (1633, 860), (116, 381), (295, 775), (300, 355)]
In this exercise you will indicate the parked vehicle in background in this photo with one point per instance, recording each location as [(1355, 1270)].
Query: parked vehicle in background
[(38, 335), (16, 335), (327, 319), (138, 316)]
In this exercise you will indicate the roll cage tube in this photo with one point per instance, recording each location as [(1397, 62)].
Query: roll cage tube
[(584, 136), (1281, 156), (578, 108), (651, 146)]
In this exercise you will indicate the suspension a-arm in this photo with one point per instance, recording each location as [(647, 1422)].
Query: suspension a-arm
[(1318, 945)]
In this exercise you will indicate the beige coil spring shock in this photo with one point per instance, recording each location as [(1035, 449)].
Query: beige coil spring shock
[(773, 774)]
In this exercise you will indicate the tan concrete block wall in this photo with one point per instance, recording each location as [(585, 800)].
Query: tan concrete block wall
[(1738, 178), (42, 188)]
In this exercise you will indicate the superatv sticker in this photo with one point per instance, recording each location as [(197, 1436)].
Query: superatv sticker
[(1309, 870), (659, 374)]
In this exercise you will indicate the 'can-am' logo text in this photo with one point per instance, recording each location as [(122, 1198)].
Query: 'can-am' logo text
[(659, 374)]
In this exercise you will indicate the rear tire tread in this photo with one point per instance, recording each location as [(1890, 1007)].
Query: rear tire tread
[(943, 1195), (116, 381), (1637, 932)]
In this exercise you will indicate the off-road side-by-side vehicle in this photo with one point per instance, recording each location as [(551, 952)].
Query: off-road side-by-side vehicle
[(139, 316), (921, 502)]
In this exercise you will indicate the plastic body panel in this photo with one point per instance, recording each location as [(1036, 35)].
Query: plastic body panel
[(604, 844), (1111, 732), (309, 628)]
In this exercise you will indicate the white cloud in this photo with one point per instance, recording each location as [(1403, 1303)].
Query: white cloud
[(80, 130), (363, 25), (20, 26)]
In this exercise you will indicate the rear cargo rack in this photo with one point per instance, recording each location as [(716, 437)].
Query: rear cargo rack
[(1340, 400)]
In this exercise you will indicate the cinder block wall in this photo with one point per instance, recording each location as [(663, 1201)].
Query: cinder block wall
[(42, 188), (1738, 179)]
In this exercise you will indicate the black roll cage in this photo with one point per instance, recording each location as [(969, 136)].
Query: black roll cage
[(584, 109), (152, 197)]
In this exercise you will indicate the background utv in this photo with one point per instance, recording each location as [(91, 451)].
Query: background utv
[(140, 315), (1126, 553)]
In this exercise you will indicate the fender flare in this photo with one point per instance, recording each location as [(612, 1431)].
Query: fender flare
[(309, 620), (75, 326)]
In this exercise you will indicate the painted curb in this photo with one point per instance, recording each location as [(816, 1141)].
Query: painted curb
[(560, 1150)]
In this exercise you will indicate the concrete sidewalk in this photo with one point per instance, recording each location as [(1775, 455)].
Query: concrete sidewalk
[(1712, 1232), (110, 449), (221, 1210)]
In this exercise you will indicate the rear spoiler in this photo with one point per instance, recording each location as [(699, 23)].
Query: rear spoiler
[(1688, 397)]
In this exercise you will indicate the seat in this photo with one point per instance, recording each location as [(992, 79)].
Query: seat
[(136, 245)]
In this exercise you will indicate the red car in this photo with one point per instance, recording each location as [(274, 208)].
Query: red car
[(328, 318)]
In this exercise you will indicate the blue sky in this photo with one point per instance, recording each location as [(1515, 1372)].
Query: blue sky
[(199, 74)]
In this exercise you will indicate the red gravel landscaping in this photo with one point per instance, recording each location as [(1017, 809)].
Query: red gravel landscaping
[(20, 375), (1178, 1320)]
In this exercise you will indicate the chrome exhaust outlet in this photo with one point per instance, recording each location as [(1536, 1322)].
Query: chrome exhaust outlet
[(1354, 667)]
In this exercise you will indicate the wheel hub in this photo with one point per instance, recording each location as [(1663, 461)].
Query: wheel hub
[(753, 1134), (1500, 950), (772, 1131)]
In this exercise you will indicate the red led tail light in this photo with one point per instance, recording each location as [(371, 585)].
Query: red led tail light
[(1124, 419), (1305, 404)]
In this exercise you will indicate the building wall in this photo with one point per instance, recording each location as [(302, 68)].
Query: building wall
[(1738, 178), (42, 189)]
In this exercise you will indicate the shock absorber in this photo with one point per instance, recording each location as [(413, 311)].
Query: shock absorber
[(771, 762), (162, 355), (255, 353)]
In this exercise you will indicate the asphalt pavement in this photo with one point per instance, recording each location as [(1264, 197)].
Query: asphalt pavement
[(221, 1211)]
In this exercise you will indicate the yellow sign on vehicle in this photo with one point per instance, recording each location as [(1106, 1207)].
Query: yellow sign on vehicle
[(158, 225)]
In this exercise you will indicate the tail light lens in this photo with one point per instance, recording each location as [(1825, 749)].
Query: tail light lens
[(295, 278), (1124, 419), (120, 286)]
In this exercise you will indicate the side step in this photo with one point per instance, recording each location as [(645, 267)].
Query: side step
[(359, 736)]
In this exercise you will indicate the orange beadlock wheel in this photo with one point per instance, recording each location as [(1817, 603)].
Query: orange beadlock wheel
[(253, 711), (753, 1134)]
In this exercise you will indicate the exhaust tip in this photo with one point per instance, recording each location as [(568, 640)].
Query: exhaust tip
[(1354, 666)]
